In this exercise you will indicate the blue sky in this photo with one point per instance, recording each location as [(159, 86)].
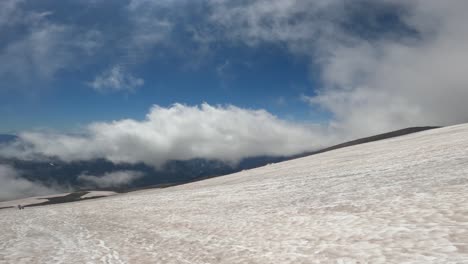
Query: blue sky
[(224, 72), (271, 80), (174, 73), (173, 48)]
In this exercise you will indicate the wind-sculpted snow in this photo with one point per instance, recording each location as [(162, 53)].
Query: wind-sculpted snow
[(402, 200)]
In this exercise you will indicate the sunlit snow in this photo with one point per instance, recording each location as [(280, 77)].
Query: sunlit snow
[(393, 201)]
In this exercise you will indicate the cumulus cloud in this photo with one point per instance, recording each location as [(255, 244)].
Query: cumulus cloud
[(111, 179), (376, 76), (12, 186), (386, 84), (179, 132), (116, 79)]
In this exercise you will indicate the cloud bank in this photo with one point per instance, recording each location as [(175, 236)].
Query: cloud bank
[(12, 186), (373, 86), (179, 132), (111, 179), (382, 65)]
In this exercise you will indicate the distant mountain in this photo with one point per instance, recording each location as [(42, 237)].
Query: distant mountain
[(396, 133), (173, 172)]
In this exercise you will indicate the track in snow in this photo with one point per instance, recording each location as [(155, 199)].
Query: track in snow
[(399, 200)]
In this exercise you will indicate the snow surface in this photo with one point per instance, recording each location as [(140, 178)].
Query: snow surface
[(30, 200), (402, 200), (42, 199), (92, 194)]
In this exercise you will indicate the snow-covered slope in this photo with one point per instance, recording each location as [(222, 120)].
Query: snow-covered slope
[(42, 199), (403, 200)]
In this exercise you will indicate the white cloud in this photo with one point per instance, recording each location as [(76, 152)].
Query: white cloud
[(39, 54), (9, 12), (116, 79), (278, 21), (377, 86), (111, 179), (35, 47), (12, 186), (149, 27), (370, 85), (178, 133)]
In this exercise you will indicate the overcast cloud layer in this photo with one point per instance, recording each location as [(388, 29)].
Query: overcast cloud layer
[(409, 72)]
